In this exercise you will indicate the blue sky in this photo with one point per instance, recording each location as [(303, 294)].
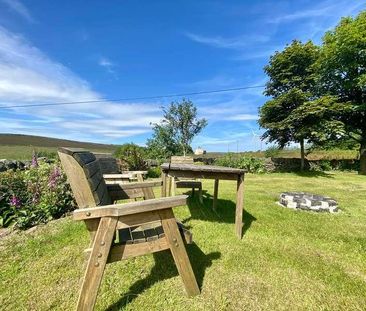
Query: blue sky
[(61, 51)]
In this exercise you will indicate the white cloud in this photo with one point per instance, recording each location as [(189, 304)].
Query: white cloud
[(28, 76), (19, 8), (243, 117), (323, 10), (228, 43), (107, 64)]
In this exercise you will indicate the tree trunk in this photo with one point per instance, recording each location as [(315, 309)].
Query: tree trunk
[(302, 146), (362, 159)]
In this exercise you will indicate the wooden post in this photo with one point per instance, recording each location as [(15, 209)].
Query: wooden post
[(216, 191), (148, 192), (179, 252), (169, 181), (173, 186), (239, 206), (163, 186)]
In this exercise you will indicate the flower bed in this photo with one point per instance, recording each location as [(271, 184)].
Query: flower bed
[(34, 196)]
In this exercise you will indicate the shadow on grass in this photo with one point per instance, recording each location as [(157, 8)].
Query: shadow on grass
[(165, 268), (224, 213), (314, 174)]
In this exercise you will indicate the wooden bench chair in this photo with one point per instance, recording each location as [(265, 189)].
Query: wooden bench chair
[(184, 182), (122, 231)]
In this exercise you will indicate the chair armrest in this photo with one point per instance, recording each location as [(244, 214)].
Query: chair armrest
[(134, 185), (124, 209), (116, 176)]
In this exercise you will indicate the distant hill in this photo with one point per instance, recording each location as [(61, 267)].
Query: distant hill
[(16, 146)]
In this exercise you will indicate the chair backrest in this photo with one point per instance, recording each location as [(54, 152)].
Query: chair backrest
[(86, 180), (181, 160), (108, 164)]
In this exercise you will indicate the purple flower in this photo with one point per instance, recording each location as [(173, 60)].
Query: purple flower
[(54, 177), (34, 159), (14, 201)]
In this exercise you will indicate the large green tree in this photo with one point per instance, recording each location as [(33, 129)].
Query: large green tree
[(174, 134), (341, 70), (291, 84)]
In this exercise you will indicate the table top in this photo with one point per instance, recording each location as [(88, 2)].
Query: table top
[(201, 168)]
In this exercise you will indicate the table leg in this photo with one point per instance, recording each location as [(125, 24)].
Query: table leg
[(170, 179), (164, 178), (239, 206), (216, 190)]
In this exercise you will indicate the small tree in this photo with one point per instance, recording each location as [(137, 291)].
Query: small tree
[(291, 84), (177, 129)]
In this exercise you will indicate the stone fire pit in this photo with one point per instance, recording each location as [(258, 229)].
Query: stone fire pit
[(308, 201)]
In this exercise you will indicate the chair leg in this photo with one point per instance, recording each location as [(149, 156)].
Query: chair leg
[(96, 263), (179, 252), (200, 196)]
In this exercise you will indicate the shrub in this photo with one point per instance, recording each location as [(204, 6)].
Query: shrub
[(252, 165), (34, 196), (272, 152), (132, 156), (154, 172)]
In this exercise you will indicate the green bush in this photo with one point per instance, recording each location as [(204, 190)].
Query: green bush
[(132, 156), (154, 172), (271, 152), (252, 165), (34, 196)]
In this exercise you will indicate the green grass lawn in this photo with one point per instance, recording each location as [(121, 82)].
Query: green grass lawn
[(287, 260)]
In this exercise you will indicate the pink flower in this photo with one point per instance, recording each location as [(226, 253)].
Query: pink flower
[(34, 160), (14, 201), (54, 177)]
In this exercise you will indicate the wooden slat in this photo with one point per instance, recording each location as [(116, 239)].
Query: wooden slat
[(91, 168), (101, 194), (125, 194), (201, 175), (188, 184), (130, 208), (181, 160), (136, 185), (124, 236), (137, 219), (125, 251), (84, 157), (201, 168), (95, 180), (108, 165)]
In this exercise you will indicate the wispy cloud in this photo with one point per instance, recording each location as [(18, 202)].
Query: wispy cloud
[(107, 64), (243, 117), (28, 76), (323, 10), (19, 8), (228, 43)]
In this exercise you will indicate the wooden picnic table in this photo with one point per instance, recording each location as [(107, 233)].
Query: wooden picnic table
[(170, 170)]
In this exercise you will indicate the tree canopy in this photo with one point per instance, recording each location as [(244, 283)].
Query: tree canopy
[(174, 134), (319, 93), (291, 84), (341, 73)]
